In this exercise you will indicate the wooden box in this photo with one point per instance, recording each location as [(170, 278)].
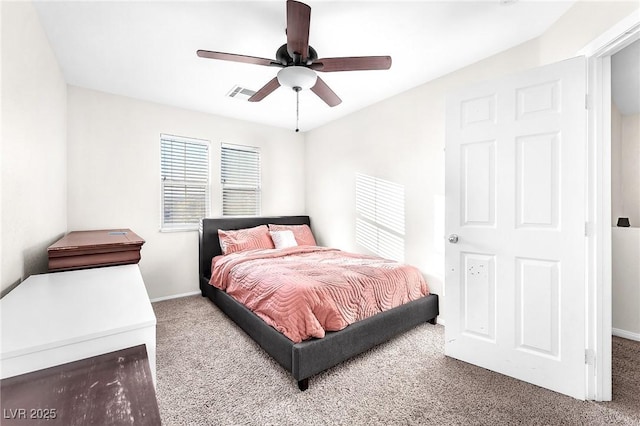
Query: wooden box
[(88, 249)]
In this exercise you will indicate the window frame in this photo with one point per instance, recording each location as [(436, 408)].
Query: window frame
[(206, 186), (257, 189)]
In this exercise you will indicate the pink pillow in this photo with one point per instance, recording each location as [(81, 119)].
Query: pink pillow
[(302, 233), (245, 239)]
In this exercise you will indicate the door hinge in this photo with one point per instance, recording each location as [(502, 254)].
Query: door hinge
[(586, 101), (589, 357)]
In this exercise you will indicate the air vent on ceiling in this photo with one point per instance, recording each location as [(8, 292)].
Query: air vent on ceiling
[(241, 93)]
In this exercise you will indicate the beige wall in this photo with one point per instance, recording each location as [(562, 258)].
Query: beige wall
[(114, 175), (625, 284), (584, 22), (625, 242), (401, 139), (34, 148), (625, 172), (630, 168), (616, 166)]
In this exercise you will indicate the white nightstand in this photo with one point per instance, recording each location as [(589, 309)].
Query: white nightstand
[(52, 319)]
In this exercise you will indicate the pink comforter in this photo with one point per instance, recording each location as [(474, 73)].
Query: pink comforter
[(306, 290)]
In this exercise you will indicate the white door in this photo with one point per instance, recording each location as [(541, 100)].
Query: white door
[(515, 183)]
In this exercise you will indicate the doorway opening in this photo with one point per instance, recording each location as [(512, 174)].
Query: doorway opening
[(599, 213), (625, 191)]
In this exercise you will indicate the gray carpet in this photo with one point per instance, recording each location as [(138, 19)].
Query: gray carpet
[(211, 373)]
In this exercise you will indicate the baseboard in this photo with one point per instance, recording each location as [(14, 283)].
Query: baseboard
[(440, 320), (625, 334), (175, 296)]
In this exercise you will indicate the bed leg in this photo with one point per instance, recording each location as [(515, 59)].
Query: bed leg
[(433, 320), (303, 384)]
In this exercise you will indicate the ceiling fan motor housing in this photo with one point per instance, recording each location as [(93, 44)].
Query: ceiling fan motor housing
[(282, 56)]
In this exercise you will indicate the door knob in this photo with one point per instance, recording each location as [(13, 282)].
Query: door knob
[(453, 238)]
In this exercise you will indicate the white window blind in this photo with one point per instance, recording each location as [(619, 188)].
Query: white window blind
[(184, 172), (380, 216), (240, 175)]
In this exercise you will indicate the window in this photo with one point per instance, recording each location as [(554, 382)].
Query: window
[(240, 175), (380, 216), (184, 169)]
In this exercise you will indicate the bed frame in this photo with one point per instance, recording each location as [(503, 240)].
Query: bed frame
[(312, 356)]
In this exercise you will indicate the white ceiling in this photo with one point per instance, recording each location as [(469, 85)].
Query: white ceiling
[(625, 79), (147, 50)]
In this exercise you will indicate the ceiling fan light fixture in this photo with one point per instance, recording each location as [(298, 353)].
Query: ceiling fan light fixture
[(297, 76)]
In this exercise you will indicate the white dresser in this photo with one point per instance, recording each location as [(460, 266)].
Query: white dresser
[(55, 318)]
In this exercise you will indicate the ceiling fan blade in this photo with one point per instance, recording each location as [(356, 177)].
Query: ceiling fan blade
[(354, 63), (237, 58), (298, 22), (265, 90), (325, 93)]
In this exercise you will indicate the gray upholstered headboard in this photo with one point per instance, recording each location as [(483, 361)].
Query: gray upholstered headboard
[(210, 244)]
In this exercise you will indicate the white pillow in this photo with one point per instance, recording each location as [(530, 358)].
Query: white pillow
[(283, 239)]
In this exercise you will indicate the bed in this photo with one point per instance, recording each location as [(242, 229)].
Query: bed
[(312, 356)]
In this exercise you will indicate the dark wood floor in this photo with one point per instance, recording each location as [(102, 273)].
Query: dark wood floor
[(110, 389)]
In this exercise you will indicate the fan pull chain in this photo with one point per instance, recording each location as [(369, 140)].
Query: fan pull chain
[(297, 89)]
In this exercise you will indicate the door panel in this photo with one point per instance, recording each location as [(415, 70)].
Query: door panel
[(515, 196), (537, 307), (478, 179), (479, 295), (538, 100), (537, 188)]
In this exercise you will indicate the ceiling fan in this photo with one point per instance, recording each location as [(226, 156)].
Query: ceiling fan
[(299, 61)]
